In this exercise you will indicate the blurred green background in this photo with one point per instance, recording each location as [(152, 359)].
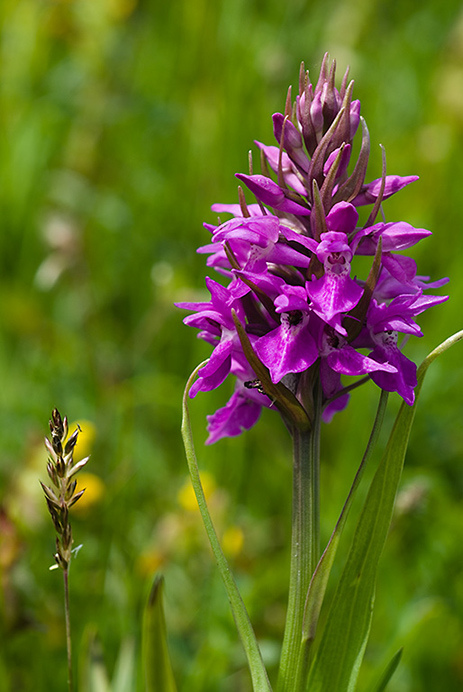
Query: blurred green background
[(121, 123)]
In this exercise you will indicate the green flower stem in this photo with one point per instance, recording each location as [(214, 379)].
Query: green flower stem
[(305, 542), (68, 626)]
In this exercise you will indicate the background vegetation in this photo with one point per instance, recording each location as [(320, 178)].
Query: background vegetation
[(121, 122)]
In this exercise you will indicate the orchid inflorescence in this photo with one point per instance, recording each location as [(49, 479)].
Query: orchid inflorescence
[(293, 301)]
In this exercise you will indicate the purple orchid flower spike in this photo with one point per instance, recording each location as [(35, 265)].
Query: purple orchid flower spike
[(289, 262)]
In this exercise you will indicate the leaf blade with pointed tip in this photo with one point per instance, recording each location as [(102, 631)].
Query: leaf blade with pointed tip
[(158, 670), (387, 674), (347, 628), (256, 666)]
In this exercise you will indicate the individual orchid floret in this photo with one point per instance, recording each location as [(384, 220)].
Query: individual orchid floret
[(389, 287), (335, 293), (286, 133), (277, 160), (370, 192), (338, 357), (404, 380), (395, 236), (290, 348), (272, 194), (399, 313), (215, 321), (240, 413)]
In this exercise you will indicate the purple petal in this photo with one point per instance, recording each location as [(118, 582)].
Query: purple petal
[(240, 413), (395, 236), (271, 285), (303, 240), (394, 183), (235, 209), (348, 361), (292, 298), (272, 155), (259, 230), (332, 295), (345, 158), (292, 141), (287, 349), (342, 217), (216, 370), (270, 193), (403, 381), (400, 267)]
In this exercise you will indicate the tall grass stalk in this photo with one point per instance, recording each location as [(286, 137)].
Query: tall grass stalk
[(61, 471)]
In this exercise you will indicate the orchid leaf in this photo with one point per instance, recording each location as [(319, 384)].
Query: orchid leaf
[(322, 572), (93, 674), (385, 678), (259, 676), (345, 636), (157, 667), (124, 672)]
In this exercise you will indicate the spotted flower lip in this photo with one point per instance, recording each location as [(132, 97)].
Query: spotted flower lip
[(290, 347), (289, 259)]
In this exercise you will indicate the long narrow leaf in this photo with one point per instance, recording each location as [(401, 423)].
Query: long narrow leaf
[(157, 667), (93, 674), (259, 676), (124, 671), (387, 674), (347, 628), (321, 575)]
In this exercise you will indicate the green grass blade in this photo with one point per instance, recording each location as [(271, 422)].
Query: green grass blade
[(259, 676), (95, 676), (124, 672), (157, 667), (347, 628), (385, 678)]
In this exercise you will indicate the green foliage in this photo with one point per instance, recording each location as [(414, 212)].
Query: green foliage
[(157, 666), (121, 123), (260, 682), (387, 674), (342, 645)]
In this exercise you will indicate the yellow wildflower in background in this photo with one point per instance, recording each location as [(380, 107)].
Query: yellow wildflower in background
[(186, 495), (232, 541), (94, 486), (86, 437), (94, 491)]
